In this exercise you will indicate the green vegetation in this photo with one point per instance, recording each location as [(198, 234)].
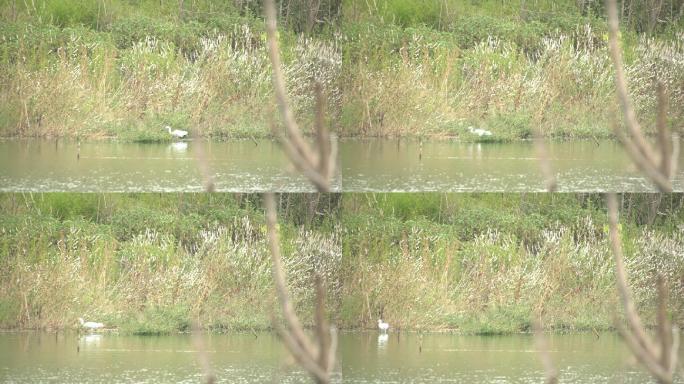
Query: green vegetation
[(123, 69), (149, 263), (486, 263)]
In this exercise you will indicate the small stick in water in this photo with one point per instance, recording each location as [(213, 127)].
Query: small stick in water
[(420, 149)]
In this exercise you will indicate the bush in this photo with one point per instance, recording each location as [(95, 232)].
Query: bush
[(70, 13)]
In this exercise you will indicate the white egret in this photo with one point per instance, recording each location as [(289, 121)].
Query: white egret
[(383, 326), (177, 133), (90, 325), (479, 131)]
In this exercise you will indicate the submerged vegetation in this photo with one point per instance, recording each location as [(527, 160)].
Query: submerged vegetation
[(148, 263), (112, 68)]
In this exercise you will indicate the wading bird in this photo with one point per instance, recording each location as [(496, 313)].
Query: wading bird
[(177, 133), (479, 131), (90, 325), (383, 326)]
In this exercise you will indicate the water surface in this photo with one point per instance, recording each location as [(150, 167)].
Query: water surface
[(401, 165), (366, 165), (235, 166), (362, 358)]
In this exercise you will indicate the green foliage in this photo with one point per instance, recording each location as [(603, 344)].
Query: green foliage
[(484, 263), (156, 321), (146, 263), (9, 312), (493, 321), (68, 13), (410, 13), (118, 69)]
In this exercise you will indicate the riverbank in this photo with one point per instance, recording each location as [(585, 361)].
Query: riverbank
[(102, 69), (464, 263)]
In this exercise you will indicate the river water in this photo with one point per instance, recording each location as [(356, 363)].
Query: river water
[(449, 166), (364, 357), (235, 166), (366, 165)]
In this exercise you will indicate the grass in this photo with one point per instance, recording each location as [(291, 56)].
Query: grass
[(469, 263), (484, 264), (151, 264), (116, 69)]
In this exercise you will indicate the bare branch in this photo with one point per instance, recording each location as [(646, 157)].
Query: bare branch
[(203, 165), (659, 358), (317, 359), (638, 148), (551, 374), (279, 278), (322, 134), (209, 377), (313, 163), (664, 135), (550, 181)]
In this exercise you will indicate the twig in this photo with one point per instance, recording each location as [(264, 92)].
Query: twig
[(659, 358), (202, 357), (657, 165), (316, 164), (550, 372), (203, 165), (317, 358), (550, 181)]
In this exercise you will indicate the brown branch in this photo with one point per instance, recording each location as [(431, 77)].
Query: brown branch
[(550, 181), (203, 166), (313, 163), (664, 135), (550, 372), (279, 278), (317, 359), (202, 357), (640, 151), (322, 134), (658, 357)]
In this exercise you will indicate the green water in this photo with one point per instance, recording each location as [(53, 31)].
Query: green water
[(366, 165), (362, 358), (236, 166), (448, 166)]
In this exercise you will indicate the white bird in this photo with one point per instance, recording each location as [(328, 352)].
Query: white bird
[(383, 326), (91, 325), (479, 131), (176, 132)]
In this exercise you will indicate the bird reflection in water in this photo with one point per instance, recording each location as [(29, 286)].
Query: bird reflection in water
[(179, 146), (382, 340)]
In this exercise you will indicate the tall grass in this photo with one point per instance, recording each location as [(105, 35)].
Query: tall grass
[(152, 264), (534, 255), (470, 263), (98, 69), (421, 82)]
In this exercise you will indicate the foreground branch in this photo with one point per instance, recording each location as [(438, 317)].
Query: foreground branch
[(317, 164), (316, 357), (542, 344), (657, 164), (659, 357)]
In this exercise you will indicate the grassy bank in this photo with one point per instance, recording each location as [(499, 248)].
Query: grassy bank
[(111, 69), (154, 263), (486, 263), (149, 263)]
